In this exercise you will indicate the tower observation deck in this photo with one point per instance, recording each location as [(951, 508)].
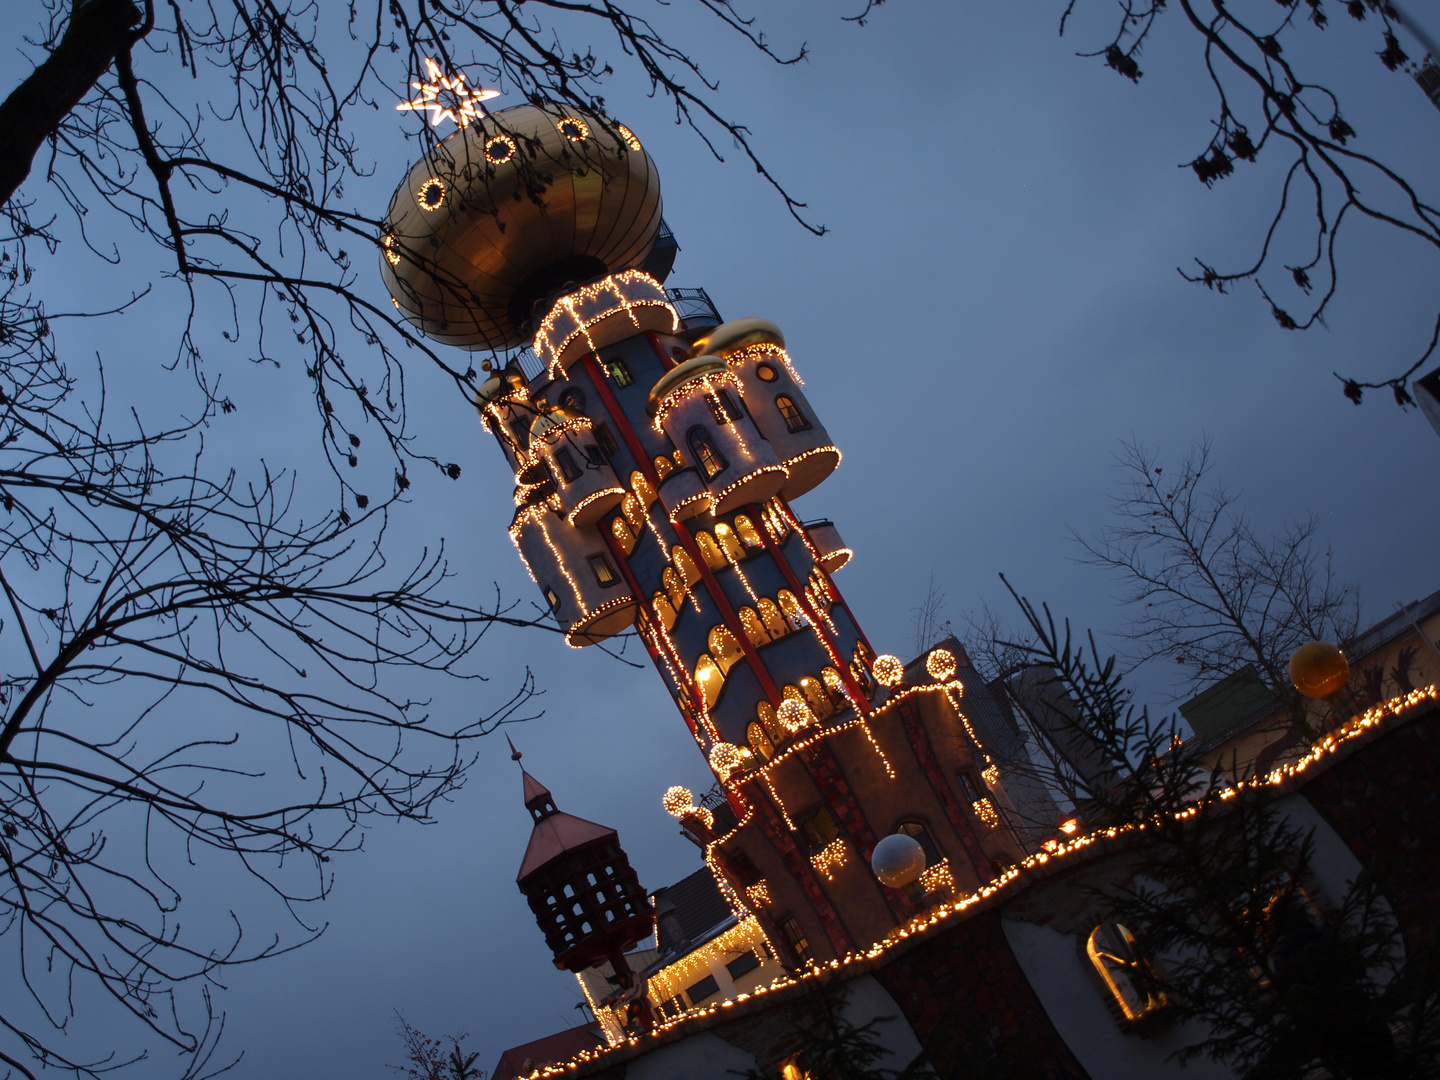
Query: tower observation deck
[(657, 452)]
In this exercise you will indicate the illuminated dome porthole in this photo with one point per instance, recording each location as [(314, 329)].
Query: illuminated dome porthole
[(628, 137), (765, 372), (500, 149), (573, 128), (432, 194), (391, 255)]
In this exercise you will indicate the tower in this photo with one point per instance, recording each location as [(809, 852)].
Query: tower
[(656, 451), (584, 894)]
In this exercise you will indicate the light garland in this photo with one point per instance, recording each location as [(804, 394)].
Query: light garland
[(888, 670), (829, 858), (579, 130), (940, 664), (942, 913), (431, 195), (614, 296), (991, 774), (582, 625), (614, 489), (759, 893), (671, 980), (705, 497), (937, 878), (501, 140), (757, 352), (391, 255), (723, 492), (985, 811), (710, 383)]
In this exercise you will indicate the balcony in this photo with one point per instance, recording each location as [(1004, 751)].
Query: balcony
[(697, 311)]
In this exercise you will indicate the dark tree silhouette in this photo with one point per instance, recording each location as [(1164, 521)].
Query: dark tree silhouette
[(214, 660), (1266, 102)]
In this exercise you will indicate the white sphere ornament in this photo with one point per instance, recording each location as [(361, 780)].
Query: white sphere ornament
[(898, 860)]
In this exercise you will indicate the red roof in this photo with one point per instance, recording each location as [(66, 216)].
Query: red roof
[(534, 789), (563, 1045), (556, 834)]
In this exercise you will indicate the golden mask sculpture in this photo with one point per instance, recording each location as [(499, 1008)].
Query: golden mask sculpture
[(508, 211)]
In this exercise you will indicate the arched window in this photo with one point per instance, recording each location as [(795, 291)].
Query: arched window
[(724, 648), (921, 835), (624, 535), (674, 587), (794, 613), (775, 520), (707, 458), (710, 550), (749, 535), (766, 712), (753, 627), (664, 609), (684, 565), (725, 536), (634, 511), (820, 589), (1124, 970), (836, 685), (760, 744), (816, 697), (771, 617), (794, 418), (709, 678), (641, 487), (663, 466)]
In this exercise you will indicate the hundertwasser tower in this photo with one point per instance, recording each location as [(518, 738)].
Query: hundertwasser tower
[(657, 454)]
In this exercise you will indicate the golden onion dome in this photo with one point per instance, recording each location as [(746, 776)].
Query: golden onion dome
[(679, 375), (1318, 669), (729, 338), (508, 211)]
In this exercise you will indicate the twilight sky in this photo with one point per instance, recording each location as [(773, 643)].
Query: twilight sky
[(995, 308)]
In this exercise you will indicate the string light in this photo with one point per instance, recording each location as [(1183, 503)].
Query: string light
[(507, 150), (573, 128), (937, 878), (431, 195), (991, 774), (762, 352), (466, 105), (985, 811), (929, 920), (603, 493), (759, 893), (574, 315), (391, 255), (888, 670), (940, 664), (829, 858)]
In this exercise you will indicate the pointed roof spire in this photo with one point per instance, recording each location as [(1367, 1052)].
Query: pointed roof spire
[(515, 755)]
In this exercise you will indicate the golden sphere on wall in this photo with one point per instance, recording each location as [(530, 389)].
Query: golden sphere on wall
[(1318, 669), (509, 210)]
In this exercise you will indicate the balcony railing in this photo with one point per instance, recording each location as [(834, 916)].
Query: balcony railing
[(694, 306)]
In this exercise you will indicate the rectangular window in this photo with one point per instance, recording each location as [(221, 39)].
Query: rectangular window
[(819, 828), (520, 428), (742, 965), (604, 572), (702, 989), (617, 371), (593, 454), (551, 598), (568, 467), (605, 440), (967, 786), (796, 937)]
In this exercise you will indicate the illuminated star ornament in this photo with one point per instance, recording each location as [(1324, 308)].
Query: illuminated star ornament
[(447, 97)]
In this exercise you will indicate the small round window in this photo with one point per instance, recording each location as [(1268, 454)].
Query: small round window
[(574, 400), (391, 255), (500, 149), (628, 136), (573, 128), (432, 194), (766, 373)]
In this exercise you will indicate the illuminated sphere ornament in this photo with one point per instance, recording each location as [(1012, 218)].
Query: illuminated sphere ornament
[(888, 669), (794, 715), (725, 758), (677, 801), (940, 664), (520, 205), (1318, 669), (898, 860)]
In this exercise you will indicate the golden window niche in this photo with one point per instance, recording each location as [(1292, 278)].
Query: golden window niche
[(1123, 969)]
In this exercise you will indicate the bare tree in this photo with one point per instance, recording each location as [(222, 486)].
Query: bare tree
[(213, 660), (928, 620), (1266, 102), (427, 1058), (1207, 591)]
